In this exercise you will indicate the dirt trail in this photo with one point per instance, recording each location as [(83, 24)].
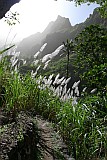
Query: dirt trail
[(49, 141), (54, 147)]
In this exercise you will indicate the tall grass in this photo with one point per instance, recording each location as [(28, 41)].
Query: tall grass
[(80, 120)]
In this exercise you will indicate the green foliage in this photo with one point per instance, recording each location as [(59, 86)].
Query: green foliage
[(91, 50), (58, 66), (48, 104), (68, 47), (21, 92), (82, 131), (83, 125), (92, 46), (1, 52), (97, 77), (11, 18), (4, 68)]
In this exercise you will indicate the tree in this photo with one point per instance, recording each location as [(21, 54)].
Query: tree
[(102, 3), (68, 48), (91, 50), (12, 18)]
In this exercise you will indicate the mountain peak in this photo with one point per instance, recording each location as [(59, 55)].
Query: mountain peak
[(60, 24), (61, 18), (56, 33)]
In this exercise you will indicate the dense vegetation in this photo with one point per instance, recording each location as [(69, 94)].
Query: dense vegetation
[(80, 118)]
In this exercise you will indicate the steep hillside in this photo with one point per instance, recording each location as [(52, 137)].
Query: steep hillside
[(94, 18), (30, 45), (55, 34)]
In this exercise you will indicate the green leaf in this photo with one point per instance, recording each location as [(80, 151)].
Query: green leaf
[(1, 52)]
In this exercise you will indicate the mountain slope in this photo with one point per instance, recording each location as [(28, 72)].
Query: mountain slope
[(30, 45), (55, 34)]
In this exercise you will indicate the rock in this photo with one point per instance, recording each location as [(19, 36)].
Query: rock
[(5, 5), (19, 139)]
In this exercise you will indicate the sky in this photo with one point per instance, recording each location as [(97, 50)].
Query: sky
[(35, 15)]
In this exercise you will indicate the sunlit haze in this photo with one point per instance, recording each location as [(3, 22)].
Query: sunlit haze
[(34, 16)]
